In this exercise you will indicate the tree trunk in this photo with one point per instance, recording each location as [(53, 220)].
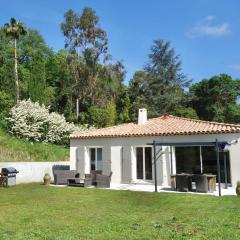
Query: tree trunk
[(16, 70), (77, 108)]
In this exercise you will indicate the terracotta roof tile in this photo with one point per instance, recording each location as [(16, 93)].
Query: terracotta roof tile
[(165, 125)]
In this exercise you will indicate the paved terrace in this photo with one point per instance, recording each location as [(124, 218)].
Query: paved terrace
[(230, 191)]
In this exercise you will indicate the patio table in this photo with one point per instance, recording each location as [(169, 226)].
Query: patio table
[(211, 182), (173, 182), (76, 182), (210, 178)]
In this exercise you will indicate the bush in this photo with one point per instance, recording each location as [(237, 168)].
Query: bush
[(34, 122)]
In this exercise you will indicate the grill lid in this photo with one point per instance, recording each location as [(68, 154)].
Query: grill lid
[(9, 170)]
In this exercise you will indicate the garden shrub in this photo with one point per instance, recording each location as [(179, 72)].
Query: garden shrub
[(34, 122)]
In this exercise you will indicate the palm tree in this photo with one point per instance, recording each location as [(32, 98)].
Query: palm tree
[(14, 30)]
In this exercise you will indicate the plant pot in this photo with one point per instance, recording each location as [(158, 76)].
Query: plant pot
[(47, 180), (238, 188)]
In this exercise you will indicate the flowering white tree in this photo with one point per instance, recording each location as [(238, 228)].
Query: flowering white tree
[(34, 122)]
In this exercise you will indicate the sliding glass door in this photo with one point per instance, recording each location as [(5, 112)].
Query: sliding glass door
[(96, 158), (139, 156), (210, 163), (197, 160), (188, 160), (144, 163)]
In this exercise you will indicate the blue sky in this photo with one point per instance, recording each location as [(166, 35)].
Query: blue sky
[(206, 33)]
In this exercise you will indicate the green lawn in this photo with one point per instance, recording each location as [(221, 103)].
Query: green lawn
[(34, 211), (17, 150)]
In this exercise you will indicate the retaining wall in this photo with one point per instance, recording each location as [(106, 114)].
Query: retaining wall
[(34, 171)]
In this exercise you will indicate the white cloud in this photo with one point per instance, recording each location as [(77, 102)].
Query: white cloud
[(235, 67), (209, 27), (210, 18)]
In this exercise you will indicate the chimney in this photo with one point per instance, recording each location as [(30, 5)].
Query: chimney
[(142, 116)]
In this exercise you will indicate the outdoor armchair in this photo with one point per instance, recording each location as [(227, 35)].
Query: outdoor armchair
[(201, 183), (183, 182), (103, 181), (90, 179)]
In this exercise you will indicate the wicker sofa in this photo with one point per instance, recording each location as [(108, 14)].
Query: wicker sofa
[(61, 176)]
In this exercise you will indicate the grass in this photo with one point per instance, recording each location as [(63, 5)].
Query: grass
[(16, 150), (34, 211)]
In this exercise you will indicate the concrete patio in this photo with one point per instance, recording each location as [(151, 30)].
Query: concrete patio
[(137, 187), (150, 188)]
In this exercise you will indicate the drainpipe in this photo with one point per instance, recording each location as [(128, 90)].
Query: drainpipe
[(171, 160), (225, 169), (218, 168), (155, 165)]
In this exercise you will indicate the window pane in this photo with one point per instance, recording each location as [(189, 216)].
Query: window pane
[(148, 163), (92, 158), (188, 160), (99, 158), (210, 163), (221, 155), (139, 151), (209, 160)]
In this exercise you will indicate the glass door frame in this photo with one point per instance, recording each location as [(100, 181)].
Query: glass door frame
[(96, 156), (144, 168)]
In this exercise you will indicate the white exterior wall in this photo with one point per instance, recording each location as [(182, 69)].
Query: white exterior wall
[(116, 164), (122, 163), (32, 171), (235, 163)]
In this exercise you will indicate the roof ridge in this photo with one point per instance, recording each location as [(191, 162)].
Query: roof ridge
[(160, 126), (114, 126), (204, 121), (171, 116)]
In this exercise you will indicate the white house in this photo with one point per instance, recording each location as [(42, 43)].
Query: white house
[(127, 149)]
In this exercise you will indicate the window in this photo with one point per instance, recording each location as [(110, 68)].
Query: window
[(203, 159), (96, 158), (210, 163), (139, 163), (188, 160), (144, 163)]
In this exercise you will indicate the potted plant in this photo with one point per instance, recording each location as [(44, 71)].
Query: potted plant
[(47, 179), (238, 188)]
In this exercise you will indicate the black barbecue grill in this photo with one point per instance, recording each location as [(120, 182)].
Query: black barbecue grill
[(8, 176)]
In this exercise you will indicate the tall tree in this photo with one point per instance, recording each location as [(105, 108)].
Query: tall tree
[(85, 38), (123, 105), (37, 85), (7, 76), (160, 87), (216, 99), (137, 93), (14, 30), (111, 114), (58, 78)]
